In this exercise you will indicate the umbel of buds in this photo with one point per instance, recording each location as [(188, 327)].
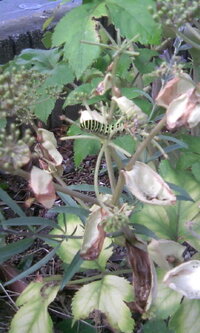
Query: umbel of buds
[(19, 91), (181, 98), (175, 13), (14, 148)]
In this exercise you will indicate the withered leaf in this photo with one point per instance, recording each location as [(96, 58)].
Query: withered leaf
[(142, 274)]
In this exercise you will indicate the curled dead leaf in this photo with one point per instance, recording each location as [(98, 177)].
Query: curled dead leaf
[(104, 85), (173, 89), (49, 144), (8, 272), (166, 253), (144, 277), (185, 279), (94, 234), (147, 185), (184, 110), (42, 185), (181, 98), (130, 109)]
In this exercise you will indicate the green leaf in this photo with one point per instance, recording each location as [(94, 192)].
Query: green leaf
[(33, 316), (14, 248), (108, 296), (47, 23), (171, 222), (80, 327), (186, 318), (77, 25), (67, 199), (142, 230), (144, 104), (71, 269), (133, 18), (81, 212), (123, 67), (130, 93), (144, 61), (11, 203), (68, 248), (192, 142), (195, 170), (186, 160), (167, 301), (126, 142), (167, 150), (3, 122), (46, 39), (44, 106), (171, 138), (74, 130), (156, 325), (183, 195), (82, 92), (90, 188), (83, 148), (29, 220), (60, 75), (42, 61), (33, 268)]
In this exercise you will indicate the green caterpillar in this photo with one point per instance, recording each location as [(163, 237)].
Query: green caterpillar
[(95, 126)]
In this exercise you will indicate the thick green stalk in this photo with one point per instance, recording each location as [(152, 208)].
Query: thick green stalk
[(110, 168), (116, 158), (96, 175)]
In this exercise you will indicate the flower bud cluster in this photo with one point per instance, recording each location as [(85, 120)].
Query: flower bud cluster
[(175, 13), (166, 71), (77, 97), (115, 223), (14, 148), (18, 90)]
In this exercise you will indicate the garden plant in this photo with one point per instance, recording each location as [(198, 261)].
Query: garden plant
[(128, 249)]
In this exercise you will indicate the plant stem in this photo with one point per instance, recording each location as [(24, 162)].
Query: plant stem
[(106, 46), (145, 143), (113, 78), (62, 183), (88, 279), (59, 188), (135, 157), (188, 40), (110, 168), (80, 136), (121, 150), (96, 174), (75, 194), (10, 299), (116, 158)]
